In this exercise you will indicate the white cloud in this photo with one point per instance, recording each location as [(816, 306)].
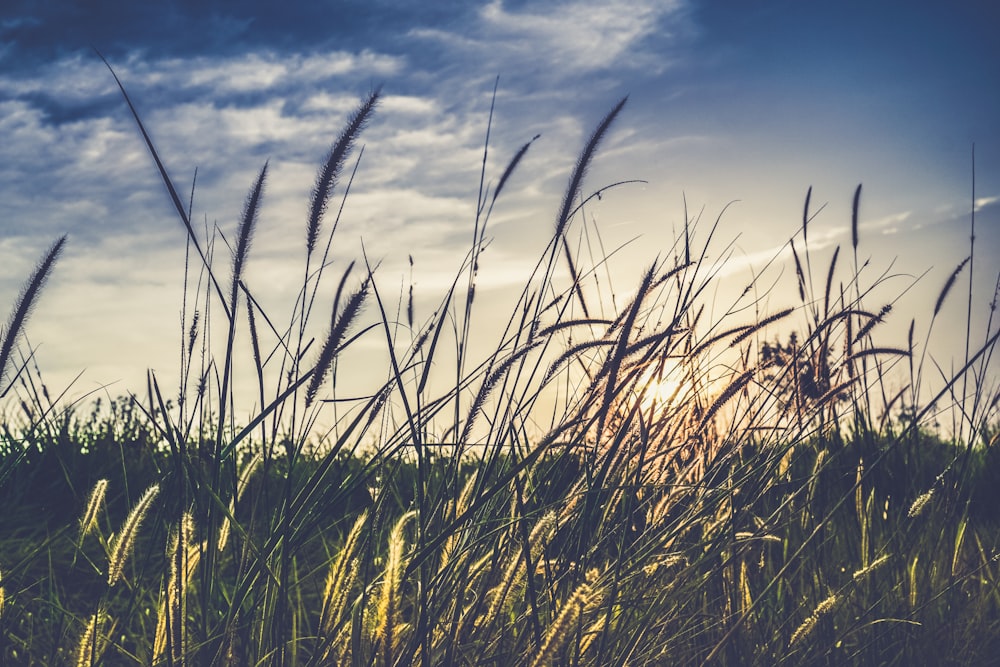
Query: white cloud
[(889, 224), (580, 34), (259, 72), (80, 78), (230, 127), (983, 202), (326, 103), (252, 73), (70, 80), (569, 37), (409, 104)]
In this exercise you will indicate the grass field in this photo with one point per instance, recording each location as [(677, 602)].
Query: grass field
[(705, 492)]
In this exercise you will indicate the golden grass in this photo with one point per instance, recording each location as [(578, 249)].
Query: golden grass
[(122, 543), (88, 521)]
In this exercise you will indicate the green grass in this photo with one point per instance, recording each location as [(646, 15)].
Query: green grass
[(781, 507)]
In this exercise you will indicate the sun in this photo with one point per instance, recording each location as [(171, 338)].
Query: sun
[(661, 385)]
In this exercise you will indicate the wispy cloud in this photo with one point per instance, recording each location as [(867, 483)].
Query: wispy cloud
[(568, 38), (76, 79), (889, 224), (983, 202)]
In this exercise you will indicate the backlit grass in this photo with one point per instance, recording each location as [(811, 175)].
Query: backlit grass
[(705, 492)]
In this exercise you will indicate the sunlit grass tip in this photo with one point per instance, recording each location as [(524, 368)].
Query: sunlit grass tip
[(89, 519), (123, 543), (562, 628), (807, 626)]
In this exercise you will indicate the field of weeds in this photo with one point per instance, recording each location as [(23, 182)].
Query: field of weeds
[(795, 507)]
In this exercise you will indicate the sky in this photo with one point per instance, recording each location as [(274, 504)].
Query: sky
[(735, 109)]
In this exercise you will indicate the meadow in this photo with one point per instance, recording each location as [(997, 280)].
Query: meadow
[(750, 490)]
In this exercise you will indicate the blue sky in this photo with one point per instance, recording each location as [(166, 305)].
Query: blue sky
[(729, 101)]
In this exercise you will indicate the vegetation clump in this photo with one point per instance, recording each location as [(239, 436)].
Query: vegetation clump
[(787, 510)]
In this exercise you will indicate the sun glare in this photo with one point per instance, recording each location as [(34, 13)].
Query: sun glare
[(661, 385)]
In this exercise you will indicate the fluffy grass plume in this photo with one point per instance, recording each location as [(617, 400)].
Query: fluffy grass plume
[(121, 546), (26, 300), (245, 232), (920, 504), (329, 174), (949, 284), (339, 327), (172, 617), (93, 642), (88, 520), (808, 625), (249, 468), (874, 565), (340, 581), (565, 625), (388, 618), (582, 163)]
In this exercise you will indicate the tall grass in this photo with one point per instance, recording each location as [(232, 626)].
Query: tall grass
[(781, 505)]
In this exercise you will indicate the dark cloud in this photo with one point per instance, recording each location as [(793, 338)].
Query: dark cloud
[(55, 111), (40, 31)]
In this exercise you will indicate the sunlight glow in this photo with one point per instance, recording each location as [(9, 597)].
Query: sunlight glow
[(661, 385)]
